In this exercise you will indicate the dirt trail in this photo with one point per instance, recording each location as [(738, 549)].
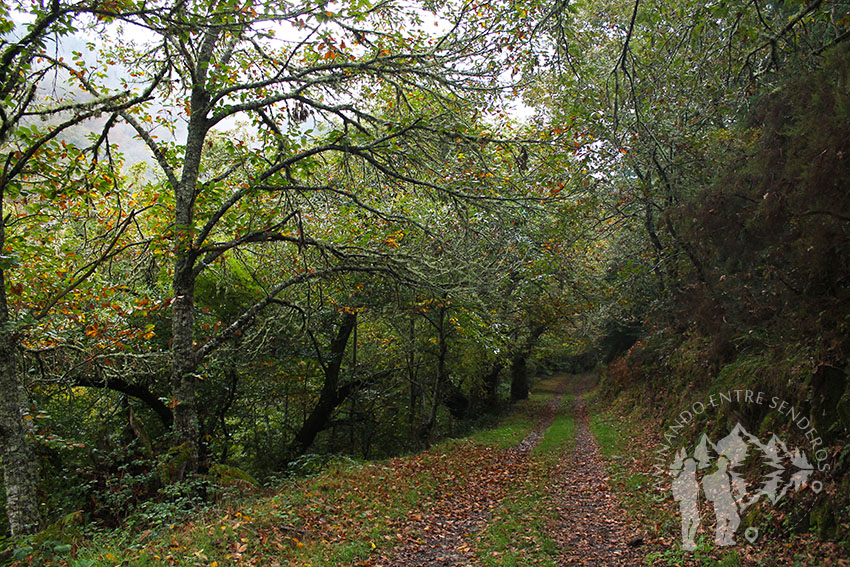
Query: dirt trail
[(442, 535), (591, 528)]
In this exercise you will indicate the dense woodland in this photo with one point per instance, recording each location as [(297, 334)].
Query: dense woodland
[(242, 239)]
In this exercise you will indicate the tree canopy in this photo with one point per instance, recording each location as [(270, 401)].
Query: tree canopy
[(236, 234)]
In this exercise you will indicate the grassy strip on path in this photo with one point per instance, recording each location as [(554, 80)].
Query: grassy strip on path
[(519, 532)]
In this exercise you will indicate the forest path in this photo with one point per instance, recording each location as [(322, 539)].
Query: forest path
[(443, 535), (590, 529)]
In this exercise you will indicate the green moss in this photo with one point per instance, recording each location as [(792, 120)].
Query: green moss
[(843, 410), (730, 559), (517, 535), (746, 370), (823, 521), (507, 434), (225, 475), (560, 436), (607, 436), (770, 422)]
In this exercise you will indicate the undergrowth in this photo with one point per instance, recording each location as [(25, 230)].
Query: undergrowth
[(343, 514)]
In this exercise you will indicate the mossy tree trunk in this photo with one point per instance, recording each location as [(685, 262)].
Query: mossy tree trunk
[(20, 468), (332, 395), (519, 364)]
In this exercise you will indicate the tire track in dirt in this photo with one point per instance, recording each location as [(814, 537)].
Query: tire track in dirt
[(591, 527), (442, 535)]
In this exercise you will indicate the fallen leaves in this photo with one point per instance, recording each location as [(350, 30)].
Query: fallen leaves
[(442, 532), (591, 529)]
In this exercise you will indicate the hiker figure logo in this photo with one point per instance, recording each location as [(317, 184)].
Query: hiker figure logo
[(725, 488), (734, 473)]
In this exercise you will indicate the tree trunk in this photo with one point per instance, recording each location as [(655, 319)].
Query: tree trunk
[(658, 256), (444, 391), (184, 360), (519, 377), (426, 429), (331, 396), (138, 391), (491, 387), (412, 378), (20, 468), (447, 392), (519, 364), (183, 367)]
